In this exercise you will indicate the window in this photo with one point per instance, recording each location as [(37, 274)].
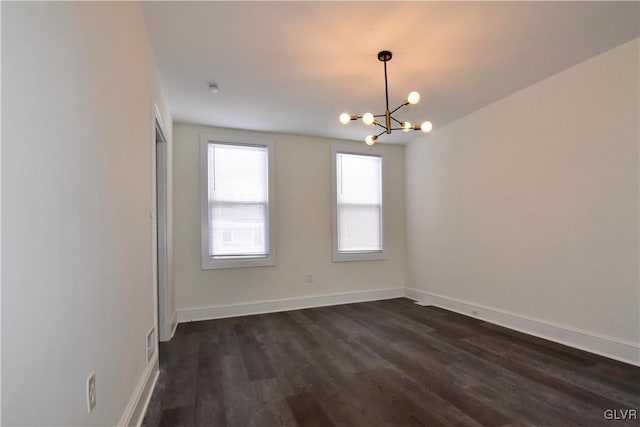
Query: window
[(237, 202), (358, 209)]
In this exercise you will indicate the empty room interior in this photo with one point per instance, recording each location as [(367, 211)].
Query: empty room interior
[(320, 213)]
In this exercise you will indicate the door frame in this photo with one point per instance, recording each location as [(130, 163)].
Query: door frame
[(160, 237)]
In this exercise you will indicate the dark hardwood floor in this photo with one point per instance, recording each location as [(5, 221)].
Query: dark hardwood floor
[(383, 363)]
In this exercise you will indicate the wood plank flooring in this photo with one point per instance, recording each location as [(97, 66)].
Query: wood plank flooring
[(383, 363)]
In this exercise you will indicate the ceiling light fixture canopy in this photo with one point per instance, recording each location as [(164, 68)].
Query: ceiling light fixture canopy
[(370, 119)]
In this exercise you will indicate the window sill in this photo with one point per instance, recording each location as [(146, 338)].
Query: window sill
[(217, 264), (359, 256)]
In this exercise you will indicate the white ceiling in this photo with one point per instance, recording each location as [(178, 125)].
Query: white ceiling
[(295, 66)]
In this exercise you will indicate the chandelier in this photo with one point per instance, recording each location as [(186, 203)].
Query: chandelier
[(371, 119)]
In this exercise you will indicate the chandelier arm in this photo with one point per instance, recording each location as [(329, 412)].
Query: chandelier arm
[(374, 115), (380, 133), (378, 124), (396, 120), (400, 106)]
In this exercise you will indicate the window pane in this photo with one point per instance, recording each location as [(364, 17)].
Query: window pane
[(359, 194), (359, 228), (238, 200)]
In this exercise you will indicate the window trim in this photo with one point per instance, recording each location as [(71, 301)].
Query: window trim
[(357, 256), (207, 263)]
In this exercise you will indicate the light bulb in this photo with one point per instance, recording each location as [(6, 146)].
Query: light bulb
[(345, 118), (413, 98), (406, 126), (426, 127), (370, 140), (367, 118)]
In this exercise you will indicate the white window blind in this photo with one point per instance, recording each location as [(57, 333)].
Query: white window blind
[(238, 189), (359, 203)]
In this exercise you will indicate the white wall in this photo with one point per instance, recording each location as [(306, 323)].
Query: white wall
[(530, 205), (303, 227), (78, 95)]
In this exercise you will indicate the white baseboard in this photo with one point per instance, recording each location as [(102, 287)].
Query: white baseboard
[(624, 351), (222, 311), (137, 406)]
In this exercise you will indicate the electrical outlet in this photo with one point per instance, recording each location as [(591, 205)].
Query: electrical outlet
[(309, 278), (91, 392), (475, 313), (151, 343)]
